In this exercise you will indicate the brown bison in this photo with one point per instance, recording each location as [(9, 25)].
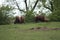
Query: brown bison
[(19, 20), (40, 18)]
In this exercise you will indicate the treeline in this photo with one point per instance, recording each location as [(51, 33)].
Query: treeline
[(6, 17)]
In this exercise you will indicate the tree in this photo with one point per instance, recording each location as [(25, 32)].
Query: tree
[(5, 14), (55, 15), (56, 4)]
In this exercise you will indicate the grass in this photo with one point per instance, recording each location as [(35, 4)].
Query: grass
[(19, 31)]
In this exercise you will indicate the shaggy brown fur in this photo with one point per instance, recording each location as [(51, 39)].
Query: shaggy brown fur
[(19, 20), (40, 18)]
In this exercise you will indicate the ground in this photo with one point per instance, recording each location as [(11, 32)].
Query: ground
[(22, 32)]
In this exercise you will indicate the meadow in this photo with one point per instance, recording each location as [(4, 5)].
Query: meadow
[(22, 32)]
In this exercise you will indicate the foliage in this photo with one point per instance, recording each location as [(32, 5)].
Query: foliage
[(29, 17), (5, 14), (56, 4), (55, 16)]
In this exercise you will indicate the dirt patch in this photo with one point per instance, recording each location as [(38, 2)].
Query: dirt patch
[(44, 28)]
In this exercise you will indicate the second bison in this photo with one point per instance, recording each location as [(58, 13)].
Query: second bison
[(41, 18)]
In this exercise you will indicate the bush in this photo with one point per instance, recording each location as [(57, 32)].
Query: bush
[(5, 17), (29, 17), (55, 16)]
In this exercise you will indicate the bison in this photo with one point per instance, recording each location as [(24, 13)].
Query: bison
[(41, 18), (19, 20)]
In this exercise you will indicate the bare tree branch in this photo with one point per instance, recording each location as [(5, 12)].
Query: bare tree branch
[(51, 9), (26, 5), (19, 8), (35, 5), (51, 3), (48, 8)]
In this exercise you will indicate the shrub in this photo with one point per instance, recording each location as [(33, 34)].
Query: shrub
[(55, 16), (29, 17), (5, 17)]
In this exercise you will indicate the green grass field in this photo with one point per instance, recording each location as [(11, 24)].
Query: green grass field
[(21, 32)]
